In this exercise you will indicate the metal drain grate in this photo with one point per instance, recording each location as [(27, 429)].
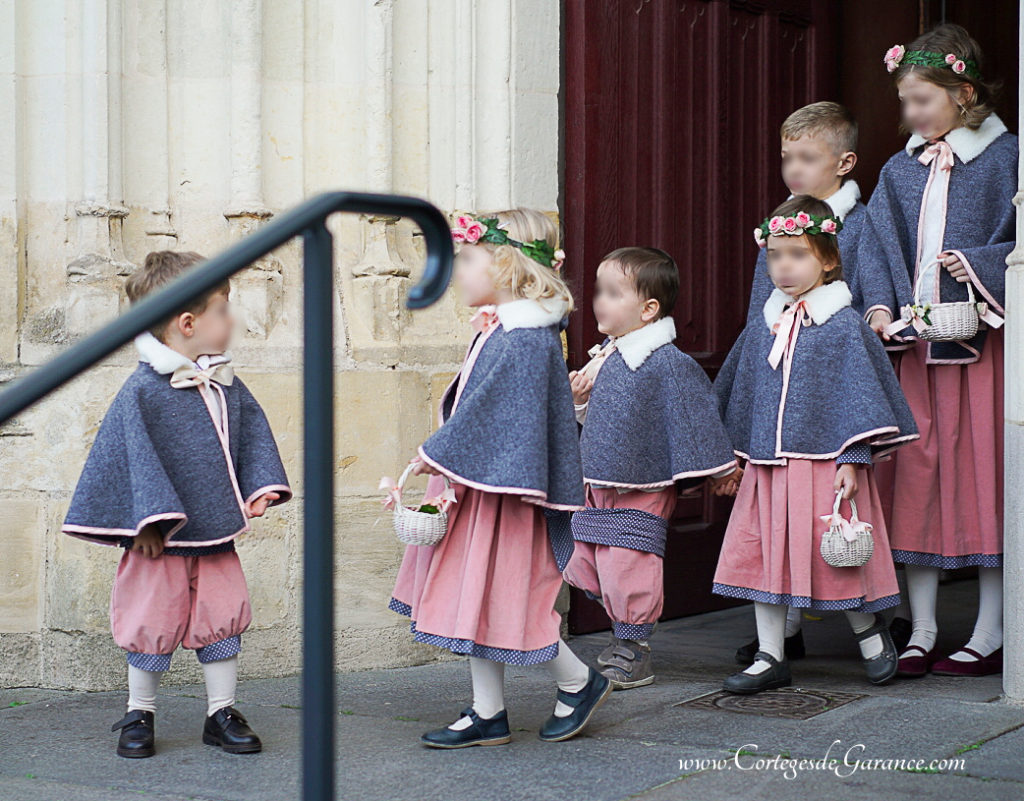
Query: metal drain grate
[(788, 702)]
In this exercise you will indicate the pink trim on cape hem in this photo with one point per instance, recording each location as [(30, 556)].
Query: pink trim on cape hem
[(662, 484), (272, 488), (535, 497)]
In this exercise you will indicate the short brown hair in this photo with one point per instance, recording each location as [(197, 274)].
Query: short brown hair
[(162, 267), (830, 120), (824, 246), (653, 272), (953, 39)]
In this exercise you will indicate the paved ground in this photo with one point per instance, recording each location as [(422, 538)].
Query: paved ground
[(641, 745)]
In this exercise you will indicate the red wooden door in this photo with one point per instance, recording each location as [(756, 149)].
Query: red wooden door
[(671, 114)]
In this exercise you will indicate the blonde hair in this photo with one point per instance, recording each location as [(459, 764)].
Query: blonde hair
[(953, 39), (831, 120), (516, 271)]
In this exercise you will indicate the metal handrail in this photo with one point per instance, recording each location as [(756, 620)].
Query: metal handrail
[(309, 221)]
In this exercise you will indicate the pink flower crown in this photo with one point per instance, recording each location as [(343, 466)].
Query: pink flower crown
[(897, 55), (800, 223), (470, 231)]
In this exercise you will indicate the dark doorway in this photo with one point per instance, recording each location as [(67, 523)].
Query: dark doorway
[(671, 112)]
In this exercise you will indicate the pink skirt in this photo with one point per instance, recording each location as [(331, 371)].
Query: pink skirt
[(943, 493), (771, 550), (488, 589)]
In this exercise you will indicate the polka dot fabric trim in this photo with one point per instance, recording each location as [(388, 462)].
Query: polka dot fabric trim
[(560, 536), (470, 648), (803, 602), (858, 453), (222, 649), (948, 562), (624, 528), (154, 663), (632, 631)]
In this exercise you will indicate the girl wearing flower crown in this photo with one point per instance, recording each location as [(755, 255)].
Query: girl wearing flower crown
[(942, 219), (809, 401), (508, 442)]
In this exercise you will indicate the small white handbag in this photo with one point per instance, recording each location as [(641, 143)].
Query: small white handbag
[(956, 321), (847, 543)]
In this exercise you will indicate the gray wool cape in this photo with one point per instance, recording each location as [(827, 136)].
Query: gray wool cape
[(847, 206), (654, 425), (980, 227), (840, 390), (514, 430), (652, 420), (158, 458)]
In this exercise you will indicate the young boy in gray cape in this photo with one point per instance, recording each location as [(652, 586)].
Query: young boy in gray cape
[(650, 419), (183, 459)]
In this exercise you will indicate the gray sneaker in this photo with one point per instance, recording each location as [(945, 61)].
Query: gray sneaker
[(627, 664)]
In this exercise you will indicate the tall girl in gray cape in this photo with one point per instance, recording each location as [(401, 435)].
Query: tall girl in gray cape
[(509, 446), (942, 218), (808, 402)]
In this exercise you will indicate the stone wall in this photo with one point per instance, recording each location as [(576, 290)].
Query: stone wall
[(131, 125)]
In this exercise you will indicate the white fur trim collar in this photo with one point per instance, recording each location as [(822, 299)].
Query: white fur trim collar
[(822, 302), (166, 360), (844, 199), (531, 313), (967, 144), (637, 345)]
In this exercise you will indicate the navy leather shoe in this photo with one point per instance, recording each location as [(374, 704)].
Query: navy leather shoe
[(584, 704), (137, 737), (776, 676), (229, 729), (483, 731)]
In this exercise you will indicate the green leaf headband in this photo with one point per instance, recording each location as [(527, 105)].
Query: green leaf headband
[(799, 223), (469, 230), (897, 55)]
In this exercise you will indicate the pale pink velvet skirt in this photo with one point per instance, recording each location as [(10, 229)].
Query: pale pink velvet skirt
[(488, 589), (771, 550), (943, 493)]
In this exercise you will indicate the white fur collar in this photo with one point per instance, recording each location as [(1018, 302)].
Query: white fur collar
[(531, 313), (844, 199), (166, 360), (637, 345), (822, 302), (967, 144)]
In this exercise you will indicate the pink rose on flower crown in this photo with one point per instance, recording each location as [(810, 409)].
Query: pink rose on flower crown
[(458, 236), (462, 221), (474, 231), (803, 219), (828, 226), (951, 58), (959, 67), (893, 57), (789, 225), (775, 224)]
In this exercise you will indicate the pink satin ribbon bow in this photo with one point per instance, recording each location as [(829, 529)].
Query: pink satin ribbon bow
[(394, 496), (485, 319), (939, 150), (788, 322), (849, 529)]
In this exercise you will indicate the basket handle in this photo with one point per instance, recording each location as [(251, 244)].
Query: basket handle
[(400, 486), (920, 276)]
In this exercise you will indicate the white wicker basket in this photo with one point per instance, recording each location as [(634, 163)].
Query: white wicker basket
[(956, 321), (846, 544), (419, 528)]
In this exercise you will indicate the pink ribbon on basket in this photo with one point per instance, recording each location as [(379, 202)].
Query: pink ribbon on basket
[(394, 496), (783, 330), (836, 520)]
